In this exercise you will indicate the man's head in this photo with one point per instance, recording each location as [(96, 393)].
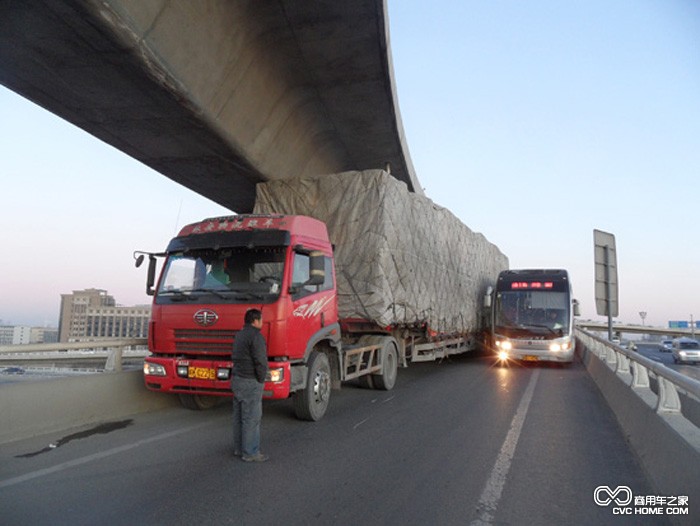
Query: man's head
[(253, 317)]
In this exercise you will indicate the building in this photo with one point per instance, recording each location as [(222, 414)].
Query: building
[(93, 314), (43, 335), (15, 334)]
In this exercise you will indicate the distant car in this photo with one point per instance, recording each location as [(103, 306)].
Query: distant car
[(686, 350), (666, 345)]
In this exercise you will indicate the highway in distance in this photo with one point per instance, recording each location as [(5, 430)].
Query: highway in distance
[(457, 442)]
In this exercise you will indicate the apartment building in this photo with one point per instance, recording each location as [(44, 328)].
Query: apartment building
[(92, 314)]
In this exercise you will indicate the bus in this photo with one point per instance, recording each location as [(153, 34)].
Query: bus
[(532, 316)]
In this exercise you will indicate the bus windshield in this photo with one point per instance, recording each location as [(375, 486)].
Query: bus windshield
[(223, 276), (541, 312)]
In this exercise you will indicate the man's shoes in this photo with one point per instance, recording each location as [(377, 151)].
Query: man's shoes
[(254, 458)]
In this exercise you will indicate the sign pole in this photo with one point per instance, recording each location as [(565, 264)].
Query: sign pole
[(608, 292)]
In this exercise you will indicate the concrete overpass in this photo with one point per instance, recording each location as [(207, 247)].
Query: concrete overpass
[(216, 95)]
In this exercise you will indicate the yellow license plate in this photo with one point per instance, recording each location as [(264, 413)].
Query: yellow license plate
[(530, 358), (201, 373)]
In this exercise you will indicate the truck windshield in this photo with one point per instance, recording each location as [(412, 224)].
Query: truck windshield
[(236, 275), (537, 312)]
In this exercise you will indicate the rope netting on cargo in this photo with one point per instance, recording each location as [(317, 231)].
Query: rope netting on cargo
[(400, 258)]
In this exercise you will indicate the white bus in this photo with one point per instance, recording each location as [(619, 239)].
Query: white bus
[(532, 316)]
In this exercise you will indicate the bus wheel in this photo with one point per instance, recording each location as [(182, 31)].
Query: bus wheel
[(199, 402), (311, 402), (390, 364)]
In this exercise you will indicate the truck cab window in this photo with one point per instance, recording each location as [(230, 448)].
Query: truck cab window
[(301, 274)]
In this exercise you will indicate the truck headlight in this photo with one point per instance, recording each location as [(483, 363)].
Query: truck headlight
[(275, 375), (183, 371), (153, 369)]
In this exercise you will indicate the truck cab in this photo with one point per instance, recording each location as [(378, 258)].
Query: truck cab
[(217, 269)]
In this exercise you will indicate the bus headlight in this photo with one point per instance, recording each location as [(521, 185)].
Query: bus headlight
[(560, 346), (504, 345), (502, 355), (153, 369), (275, 375)]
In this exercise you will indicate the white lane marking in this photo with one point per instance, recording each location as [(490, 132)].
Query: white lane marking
[(360, 423), (488, 502), (96, 456)]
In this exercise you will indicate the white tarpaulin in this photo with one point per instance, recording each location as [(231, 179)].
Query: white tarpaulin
[(400, 259)]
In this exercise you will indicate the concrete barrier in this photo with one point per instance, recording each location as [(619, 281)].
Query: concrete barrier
[(36, 407), (660, 440)]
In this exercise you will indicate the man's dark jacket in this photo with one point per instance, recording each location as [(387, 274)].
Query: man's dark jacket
[(249, 354)]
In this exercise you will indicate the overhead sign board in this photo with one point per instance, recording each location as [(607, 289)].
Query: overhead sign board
[(683, 324), (606, 290)]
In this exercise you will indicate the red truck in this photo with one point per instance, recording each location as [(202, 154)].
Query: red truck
[(215, 270)]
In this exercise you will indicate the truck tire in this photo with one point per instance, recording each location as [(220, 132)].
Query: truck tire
[(199, 402), (311, 402), (390, 366)]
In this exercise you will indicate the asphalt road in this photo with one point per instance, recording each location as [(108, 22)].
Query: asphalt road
[(653, 351), (463, 442)]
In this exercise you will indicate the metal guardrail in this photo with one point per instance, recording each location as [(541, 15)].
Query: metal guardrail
[(637, 371), (112, 351)]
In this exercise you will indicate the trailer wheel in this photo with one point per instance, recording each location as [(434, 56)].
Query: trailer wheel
[(311, 402), (199, 402), (366, 381), (390, 364)]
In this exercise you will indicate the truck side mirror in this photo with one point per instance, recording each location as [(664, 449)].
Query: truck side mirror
[(317, 268), (151, 279)]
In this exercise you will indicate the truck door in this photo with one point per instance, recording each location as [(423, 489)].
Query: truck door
[(313, 306)]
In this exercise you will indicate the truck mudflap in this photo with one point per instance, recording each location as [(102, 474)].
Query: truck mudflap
[(208, 377)]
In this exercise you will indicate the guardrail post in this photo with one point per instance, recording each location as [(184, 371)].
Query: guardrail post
[(640, 376), (669, 401), (114, 360)]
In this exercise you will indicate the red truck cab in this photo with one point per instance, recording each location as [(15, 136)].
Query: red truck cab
[(217, 269)]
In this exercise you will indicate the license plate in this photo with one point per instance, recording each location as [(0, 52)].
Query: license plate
[(530, 358), (201, 373)]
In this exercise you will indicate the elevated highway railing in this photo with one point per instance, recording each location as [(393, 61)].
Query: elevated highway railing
[(111, 353), (657, 407)]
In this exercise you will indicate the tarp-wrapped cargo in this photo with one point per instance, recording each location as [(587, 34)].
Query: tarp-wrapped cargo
[(400, 259)]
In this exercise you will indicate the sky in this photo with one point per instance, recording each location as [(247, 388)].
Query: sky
[(533, 122)]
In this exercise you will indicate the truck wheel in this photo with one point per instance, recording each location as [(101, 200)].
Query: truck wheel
[(311, 402), (199, 402), (390, 364)]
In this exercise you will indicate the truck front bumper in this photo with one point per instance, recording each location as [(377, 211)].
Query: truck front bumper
[(208, 377)]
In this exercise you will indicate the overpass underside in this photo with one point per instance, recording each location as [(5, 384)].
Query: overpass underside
[(216, 95)]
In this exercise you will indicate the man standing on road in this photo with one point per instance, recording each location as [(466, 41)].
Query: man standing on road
[(249, 372)]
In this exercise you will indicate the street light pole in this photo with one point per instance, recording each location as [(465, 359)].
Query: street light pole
[(643, 315)]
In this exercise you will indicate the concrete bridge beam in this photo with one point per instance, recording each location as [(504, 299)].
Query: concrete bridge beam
[(217, 95)]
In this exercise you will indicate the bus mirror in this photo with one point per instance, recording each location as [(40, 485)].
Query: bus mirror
[(577, 309), (139, 261), (487, 298), (317, 268)]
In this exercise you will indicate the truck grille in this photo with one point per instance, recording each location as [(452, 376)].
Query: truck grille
[(204, 341)]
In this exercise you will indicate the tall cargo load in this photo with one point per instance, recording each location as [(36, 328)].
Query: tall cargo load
[(400, 258)]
